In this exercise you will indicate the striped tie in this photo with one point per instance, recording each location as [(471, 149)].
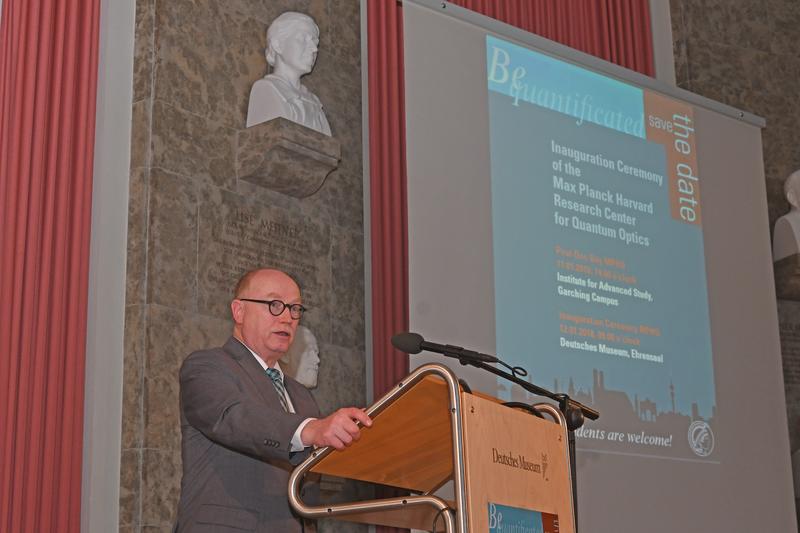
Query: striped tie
[(277, 381)]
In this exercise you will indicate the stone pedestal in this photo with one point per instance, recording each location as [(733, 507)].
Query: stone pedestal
[(286, 157), (787, 278)]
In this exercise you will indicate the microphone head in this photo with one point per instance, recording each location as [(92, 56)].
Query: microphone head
[(408, 342)]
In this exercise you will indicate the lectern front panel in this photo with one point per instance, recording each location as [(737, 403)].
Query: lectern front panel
[(517, 469)]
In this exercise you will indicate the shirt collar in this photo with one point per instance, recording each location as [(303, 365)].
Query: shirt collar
[(262, 362)]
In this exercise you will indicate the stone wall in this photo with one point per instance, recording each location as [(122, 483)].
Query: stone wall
[(744, 53), (195, 226)]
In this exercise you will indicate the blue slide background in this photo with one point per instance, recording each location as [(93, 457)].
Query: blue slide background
[(671, 268)]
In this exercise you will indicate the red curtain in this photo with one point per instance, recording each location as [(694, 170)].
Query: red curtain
[(48, 80), (387, 160), (616, 30)]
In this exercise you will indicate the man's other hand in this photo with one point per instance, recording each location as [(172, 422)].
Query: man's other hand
[(338, 429)]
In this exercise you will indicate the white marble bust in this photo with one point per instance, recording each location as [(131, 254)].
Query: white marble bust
[(302, 360), (787, 228), (292, 41)]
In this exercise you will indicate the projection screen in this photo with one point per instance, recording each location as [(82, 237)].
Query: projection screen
[(609, 234)]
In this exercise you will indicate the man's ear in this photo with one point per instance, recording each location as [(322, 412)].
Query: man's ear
[(237, 309)]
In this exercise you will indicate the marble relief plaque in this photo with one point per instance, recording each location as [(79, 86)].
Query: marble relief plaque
[(787, 277), (237, 235), (789, 323), (789, 320)]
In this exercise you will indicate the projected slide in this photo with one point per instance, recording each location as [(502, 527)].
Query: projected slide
[(600, 280)]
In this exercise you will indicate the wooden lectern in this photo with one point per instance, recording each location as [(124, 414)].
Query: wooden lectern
[(508, 468)]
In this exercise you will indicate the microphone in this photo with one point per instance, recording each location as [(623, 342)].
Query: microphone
[(412, 343)]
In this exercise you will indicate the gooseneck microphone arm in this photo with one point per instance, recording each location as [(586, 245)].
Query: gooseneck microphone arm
[(414, 343)]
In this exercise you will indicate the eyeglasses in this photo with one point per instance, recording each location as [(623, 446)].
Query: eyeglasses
[(276, 307)]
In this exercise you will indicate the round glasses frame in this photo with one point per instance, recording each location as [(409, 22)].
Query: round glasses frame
[(276, 307)]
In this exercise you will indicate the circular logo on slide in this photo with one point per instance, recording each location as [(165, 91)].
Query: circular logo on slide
[(701, 438)]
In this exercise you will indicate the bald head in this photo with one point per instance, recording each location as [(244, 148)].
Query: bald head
[(259, 274)]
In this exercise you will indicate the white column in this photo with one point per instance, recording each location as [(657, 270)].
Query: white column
[(106, 313)]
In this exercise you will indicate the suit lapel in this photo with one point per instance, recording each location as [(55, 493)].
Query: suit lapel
[(301, 397), (253, 371)]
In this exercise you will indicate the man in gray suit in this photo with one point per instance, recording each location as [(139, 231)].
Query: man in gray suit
[(243, 424)]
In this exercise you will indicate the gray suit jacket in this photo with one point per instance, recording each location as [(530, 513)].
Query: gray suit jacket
[(235, 444)]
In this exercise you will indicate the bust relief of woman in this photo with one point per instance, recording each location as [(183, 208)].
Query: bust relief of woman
[(292, 41), (787, 227), (302, 360)]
